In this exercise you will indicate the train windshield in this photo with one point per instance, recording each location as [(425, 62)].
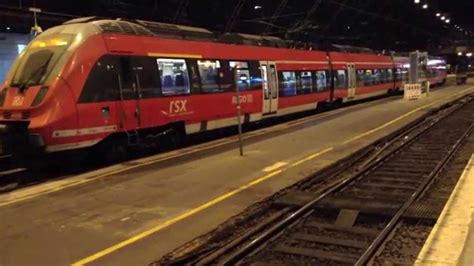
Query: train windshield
[(39, 59)]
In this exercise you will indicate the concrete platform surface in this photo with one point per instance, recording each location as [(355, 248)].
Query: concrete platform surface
[(451, 242), (143, 209)]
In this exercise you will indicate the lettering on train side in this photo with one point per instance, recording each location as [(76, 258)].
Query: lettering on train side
[(177, 108), (247, 98)]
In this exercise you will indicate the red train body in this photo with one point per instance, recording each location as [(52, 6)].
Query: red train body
[(79, 84)]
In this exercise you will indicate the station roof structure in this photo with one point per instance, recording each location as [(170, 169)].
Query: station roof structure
[(395, 25)]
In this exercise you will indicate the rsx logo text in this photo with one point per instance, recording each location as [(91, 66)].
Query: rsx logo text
[(178, 106)]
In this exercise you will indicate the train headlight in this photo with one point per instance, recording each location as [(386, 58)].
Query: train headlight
[(40, 96)]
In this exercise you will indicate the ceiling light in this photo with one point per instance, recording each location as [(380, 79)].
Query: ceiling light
[(417, 1), (443, 18), (438, 14), (460, 53), (8, 28), (257, 7), (448, 20), (469, 54), (425, 6)]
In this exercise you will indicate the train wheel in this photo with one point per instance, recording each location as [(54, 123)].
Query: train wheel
[(173, 139), (109, 152), (116, 153)]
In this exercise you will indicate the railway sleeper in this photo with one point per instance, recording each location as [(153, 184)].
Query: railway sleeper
[(388, 185), (375, 206), (363, 193), (319, 254), (391, 175), (403, 171), (327, 240), (395, 180), (410, 163), (356, 230)]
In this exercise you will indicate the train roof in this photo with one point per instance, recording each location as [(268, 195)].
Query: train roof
[(254, 40), (174, 31), (147, 28)]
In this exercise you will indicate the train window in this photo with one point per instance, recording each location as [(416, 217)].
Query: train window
[(208, 71), (194, 76), (255, 75), (147, 78), (174, 76), (360, 78), (381, 75), (304, 82), (389, 75), (322, 81), (369, 77), (239, 64), (287, 83), (226, 76), (341, 81), (102, 83), (405, 74), (127, 84), (398, 74), (243, 74), (376, 76)]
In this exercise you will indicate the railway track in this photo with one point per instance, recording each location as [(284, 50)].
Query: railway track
[(349, 219)]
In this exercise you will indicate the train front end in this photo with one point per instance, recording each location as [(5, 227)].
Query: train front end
[(35, 97)]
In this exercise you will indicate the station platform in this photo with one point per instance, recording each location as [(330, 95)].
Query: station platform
[(135, 212), (451, 242)]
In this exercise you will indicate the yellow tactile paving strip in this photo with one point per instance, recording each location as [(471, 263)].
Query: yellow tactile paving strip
[(445, 244)]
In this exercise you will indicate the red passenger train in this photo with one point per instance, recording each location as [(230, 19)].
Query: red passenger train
[(90, 82)]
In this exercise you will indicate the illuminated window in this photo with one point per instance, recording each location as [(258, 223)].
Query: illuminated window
[(304, 82), (322, 82), (209, 70), (287, 83), (243, 74), (340, 79), (174, 76)]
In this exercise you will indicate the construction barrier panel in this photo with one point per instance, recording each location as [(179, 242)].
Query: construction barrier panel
[(412, 91)]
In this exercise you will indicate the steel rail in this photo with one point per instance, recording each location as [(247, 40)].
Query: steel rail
[(308, 207), (382, 237)]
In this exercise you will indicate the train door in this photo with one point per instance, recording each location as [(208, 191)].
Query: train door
[(351, 81), (270, 87), (129, 105)]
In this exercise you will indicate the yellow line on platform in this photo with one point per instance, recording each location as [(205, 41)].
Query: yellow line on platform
[(249, 135), (174, 220), (221, 198), (185, 215), (312, 156), (401, 117)]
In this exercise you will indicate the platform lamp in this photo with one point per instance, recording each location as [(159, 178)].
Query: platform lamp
[(36, 29)]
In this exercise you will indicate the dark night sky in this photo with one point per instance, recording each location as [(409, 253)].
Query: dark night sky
[(371, 23)]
